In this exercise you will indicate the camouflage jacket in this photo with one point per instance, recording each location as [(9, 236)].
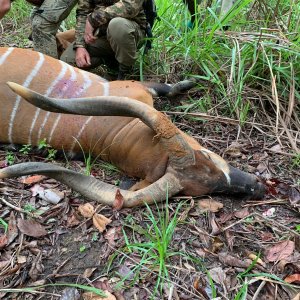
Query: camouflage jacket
[(100, 12)]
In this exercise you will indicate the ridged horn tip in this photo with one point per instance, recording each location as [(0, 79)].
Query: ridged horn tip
[(18, 89)]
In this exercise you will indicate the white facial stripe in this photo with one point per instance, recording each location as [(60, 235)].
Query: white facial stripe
[(26, 83), (5, 55), (219, 162), (48, 92)]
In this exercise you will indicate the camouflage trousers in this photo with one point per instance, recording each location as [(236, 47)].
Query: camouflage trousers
[(46, 20), (119, 46)]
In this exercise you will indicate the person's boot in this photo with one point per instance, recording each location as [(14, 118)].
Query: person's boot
[(124, 71)]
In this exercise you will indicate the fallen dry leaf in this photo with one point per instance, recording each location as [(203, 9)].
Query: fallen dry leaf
[(37, 267), (88, 272), (33, 179), (93, 296), (232, 261), (100, 222), (5, 260), (280, 251), (209, 205), (200, 252), (234, 150), (242, 213), (216, 245), (297, 297), (230, 237), (87, 210), (218, 275), (31, 228), (72, 220), (3, 241), (112, 234), (21, 259), (215, 228), (70, 294), (276, 148), (119, 200), (254, 257), (294, 197), (36, 189), (294, 278), (12, 231)]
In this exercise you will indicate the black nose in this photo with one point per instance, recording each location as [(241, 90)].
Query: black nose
[(246, 184)]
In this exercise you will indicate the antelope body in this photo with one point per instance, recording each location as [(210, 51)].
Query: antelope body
[(121, 126)]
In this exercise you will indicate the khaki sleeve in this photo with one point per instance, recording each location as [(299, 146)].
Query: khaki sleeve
[(123, 8), (83, 9)]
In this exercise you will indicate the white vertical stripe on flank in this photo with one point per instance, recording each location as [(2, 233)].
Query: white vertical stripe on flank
[(105, 88), (76, 139), (5, 55), (48, 92), (86, 83), (73, 78), (18, 99)]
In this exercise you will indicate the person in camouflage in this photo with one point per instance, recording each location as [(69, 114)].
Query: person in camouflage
[(46, 20), (107, 31)]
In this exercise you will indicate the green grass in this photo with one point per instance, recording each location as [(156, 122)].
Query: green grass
[(231, 67), (155, 251)]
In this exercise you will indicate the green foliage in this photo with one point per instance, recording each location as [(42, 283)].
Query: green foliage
[(296, 161), (95, 236), (4, 225), (29, 208), (42, 144), (50, 152), (25, 149), (82, 248), (10, 158), (230, 66), (155, 251), (242, 293), (108, 168)]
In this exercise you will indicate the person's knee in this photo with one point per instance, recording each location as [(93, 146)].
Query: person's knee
[(69, 55), (118, 29), (39, 23)]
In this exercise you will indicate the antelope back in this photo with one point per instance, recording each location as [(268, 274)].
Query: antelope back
[(124, 141)]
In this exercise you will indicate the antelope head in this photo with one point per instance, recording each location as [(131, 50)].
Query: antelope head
[(191, 170)]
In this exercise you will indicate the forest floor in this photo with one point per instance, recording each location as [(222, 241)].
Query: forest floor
[(220, 247)]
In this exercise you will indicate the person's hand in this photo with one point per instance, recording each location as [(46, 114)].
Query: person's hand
[(89, 33), (82, 58)]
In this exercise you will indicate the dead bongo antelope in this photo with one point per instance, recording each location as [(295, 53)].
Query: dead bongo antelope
[(113, 120)]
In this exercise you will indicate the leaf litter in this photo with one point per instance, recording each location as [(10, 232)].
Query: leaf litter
[(233, 239)]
